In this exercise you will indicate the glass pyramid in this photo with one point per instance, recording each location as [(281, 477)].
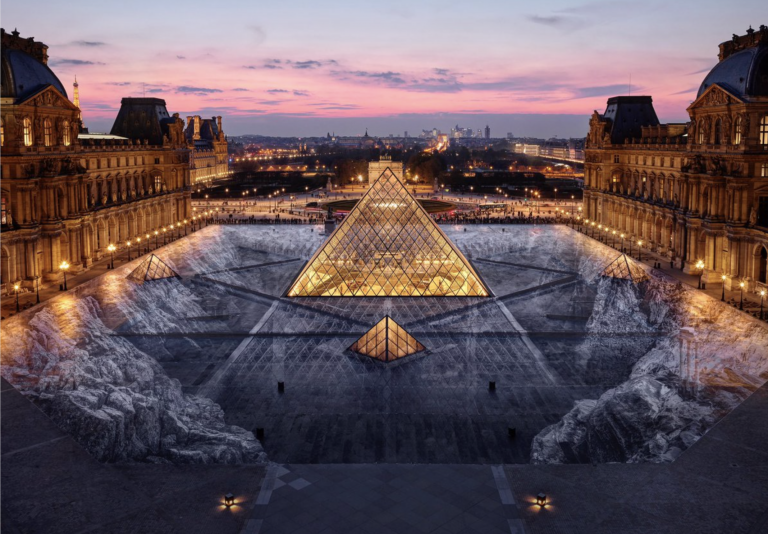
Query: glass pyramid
[(388, 247), (152, 268), (387, 341), (625, 269)]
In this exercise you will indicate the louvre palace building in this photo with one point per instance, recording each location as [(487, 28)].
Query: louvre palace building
[(67, 196), (697, 190)]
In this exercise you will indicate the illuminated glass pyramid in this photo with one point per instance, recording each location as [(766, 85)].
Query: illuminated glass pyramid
[(153, 268), (625, 269), (387, 341), (388, 247)]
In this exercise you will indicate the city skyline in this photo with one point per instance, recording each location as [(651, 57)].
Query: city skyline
[(305, 70)]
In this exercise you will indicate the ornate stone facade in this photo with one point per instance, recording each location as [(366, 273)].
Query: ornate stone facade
[(209, 159), (695, 191), (65, 198)]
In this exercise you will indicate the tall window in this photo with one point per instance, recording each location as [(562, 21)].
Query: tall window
[(701, 134), (158, 184), (764, 130), (737, 131), (764, 170), (66, 134), (27, 130), (2, 132), (47, 132), (5, 212), (718, 131)]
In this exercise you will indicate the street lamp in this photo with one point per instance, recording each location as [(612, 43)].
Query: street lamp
[(138, 246), (111, 248), (762, 296), (185, 228), (64, 266), (165, 237), (128, 245), (723, 278), (700, 267), (613, 239), (741, 304), (157, 234), (17, 288), (37, 287), (622, 243), (639, 250)]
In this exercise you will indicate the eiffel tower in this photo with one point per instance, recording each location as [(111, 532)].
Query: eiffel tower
[(388, 247)]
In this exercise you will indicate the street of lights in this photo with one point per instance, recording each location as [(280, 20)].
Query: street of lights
[(700, 268), (111, 248)]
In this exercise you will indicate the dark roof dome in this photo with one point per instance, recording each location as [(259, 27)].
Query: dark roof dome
[(24, 69), (745, 73)]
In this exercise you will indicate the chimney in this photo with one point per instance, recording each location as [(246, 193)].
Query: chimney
[(197, 127), (218, 123)]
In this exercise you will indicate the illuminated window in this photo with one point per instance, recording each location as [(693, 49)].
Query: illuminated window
[(4, 212), (2, 132), (764, 130), (701, 135), (737, 131), (764, 170), (26, 125), (47, 133), (158, 184), (66, 134)]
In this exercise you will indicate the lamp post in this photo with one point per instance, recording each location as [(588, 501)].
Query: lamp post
[(111, 248), (157, 235), (128, 246), (165, 236), (622, 243), (700, 268), (639, 250), (741, 287), (64, 266), (762, 296), (613, 238), (37, 287), (723, 278), (138, 246), (185, 227), (17, 288)]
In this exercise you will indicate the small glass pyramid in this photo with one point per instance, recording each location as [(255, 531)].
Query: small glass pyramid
[(388, 246), (625, 269), (387, 341), (152, 268)]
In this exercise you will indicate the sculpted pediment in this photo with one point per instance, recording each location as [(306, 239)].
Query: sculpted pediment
[(49, 97), (715, 96)]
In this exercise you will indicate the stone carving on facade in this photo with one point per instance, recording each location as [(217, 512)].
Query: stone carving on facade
[(717, 166), (716, 97), (694, 165), (49, 166)]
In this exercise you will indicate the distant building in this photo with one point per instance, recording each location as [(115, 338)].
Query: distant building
[(487, 132), (376, 168), (208, 159), (696, 191)]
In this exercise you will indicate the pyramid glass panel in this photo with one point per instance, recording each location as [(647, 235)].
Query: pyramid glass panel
[(625, 269), (152, 268), (388, 246), (387, 341)]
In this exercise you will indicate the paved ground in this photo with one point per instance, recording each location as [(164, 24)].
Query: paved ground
[(51, 485)]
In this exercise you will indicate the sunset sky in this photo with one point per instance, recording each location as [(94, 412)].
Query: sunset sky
[(305, 68)]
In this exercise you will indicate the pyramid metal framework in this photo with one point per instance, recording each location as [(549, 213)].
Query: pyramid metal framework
[(625, 269), (387, 341), (388, 246), (152, 268)]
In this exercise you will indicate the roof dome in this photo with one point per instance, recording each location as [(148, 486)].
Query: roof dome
[(745, 73), (23, 75)]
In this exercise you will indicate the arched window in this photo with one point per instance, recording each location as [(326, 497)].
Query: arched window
[(66, 134), (2, 132), (737, 131), (718, 131), (764, 130), (26, 125), (4, 210), (47, 133), (700, 132), (158, 183)]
